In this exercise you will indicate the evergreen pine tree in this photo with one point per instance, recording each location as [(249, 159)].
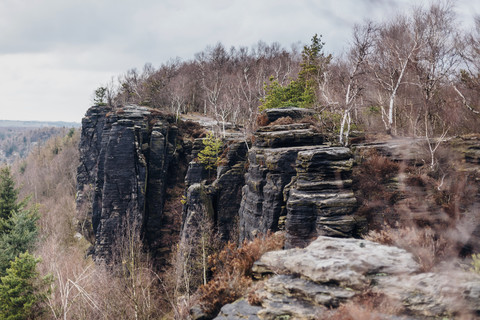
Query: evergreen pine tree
[(21, 236), (8, 196), (313, 62), (210, 155), (301, 92), (21, 290)]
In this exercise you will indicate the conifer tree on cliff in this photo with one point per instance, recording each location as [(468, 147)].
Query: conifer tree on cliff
[(300, 92)]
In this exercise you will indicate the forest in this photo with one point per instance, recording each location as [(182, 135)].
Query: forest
[(17, 142), (416, 75)]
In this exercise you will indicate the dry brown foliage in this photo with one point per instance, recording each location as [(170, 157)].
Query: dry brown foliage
[(252, 296), (428, 247), (429, 214), (232, 271), (48, 175), (369, 305), (192, 129), (370, 181), (262, 120), (282, 121)]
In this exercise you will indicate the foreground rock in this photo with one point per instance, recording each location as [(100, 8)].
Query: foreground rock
[(350, 263), (307, 283)]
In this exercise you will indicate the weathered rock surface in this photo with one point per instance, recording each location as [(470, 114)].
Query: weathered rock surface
[(198, 211), (448, 292), (320, 198), (347, 262), (307, 283), (90, 171), (239, 310), (297, 183), (127, 159)]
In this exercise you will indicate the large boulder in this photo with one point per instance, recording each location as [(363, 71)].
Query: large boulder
[(310, 283), (346, 262)]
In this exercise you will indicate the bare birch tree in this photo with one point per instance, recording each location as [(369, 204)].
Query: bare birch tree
[(395, 45)]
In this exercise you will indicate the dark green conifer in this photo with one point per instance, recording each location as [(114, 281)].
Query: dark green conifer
[(8, 195), (301, 92), (21, 236), (21, 290)]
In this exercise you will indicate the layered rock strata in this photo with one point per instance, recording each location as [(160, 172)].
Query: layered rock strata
[(297, 183)]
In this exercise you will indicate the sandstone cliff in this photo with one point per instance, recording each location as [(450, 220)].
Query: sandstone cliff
[(127, 159), (130, 157)]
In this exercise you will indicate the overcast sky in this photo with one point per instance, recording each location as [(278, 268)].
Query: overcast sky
[(54, 53)]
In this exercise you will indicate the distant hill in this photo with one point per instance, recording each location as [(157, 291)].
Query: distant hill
[(19, 138), (38, 124)]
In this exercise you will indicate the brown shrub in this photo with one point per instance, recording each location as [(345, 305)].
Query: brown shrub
[(425, 244), (262, 120), (371, 178), (368, 305), (252, 297), (282, 121), (232, 271), (193, 129)]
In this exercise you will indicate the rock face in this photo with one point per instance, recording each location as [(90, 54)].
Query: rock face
[(130, 158), (320, 198), (307, 283), (219, 201), (297, 183), (123, 173)]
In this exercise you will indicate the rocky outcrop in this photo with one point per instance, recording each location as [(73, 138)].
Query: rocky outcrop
[(219, 200), (126, 157), (130, 156), (348, 263), (292, 112), (320, 197), (308, 283), (90, 172), (297, 183)]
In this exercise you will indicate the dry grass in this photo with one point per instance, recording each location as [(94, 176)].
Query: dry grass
[(428, 247), (282, 121), (415, 209), (367, 306)]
